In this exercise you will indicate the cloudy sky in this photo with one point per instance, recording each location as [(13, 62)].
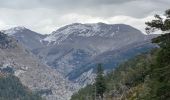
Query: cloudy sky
[(45, 16)]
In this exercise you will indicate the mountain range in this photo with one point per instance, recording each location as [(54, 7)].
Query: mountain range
[(69, 54)]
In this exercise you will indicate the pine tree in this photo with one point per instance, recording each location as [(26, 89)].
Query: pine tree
[(100, 82), (160, 85)]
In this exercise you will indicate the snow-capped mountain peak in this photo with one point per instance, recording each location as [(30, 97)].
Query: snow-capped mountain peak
[(26, 36), (14, 30), (90, 30)]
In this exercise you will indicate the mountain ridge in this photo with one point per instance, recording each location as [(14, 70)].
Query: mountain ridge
[(88, 30), (76, 50)]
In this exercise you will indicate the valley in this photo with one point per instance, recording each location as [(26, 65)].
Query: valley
[(84, 50), (65, 60)]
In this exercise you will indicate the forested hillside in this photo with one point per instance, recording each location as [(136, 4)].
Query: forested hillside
[(145, 77), (12, 89)]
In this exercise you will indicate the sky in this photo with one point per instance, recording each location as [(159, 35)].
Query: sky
[(45, 16)]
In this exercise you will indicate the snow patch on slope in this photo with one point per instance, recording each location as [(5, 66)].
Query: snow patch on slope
[(14, 30), (86, 78), (82, 30)]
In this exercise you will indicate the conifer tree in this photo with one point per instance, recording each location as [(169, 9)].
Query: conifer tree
[(100, 81), (160, 88)]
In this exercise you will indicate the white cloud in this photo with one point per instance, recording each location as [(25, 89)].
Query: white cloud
[(45, 16)]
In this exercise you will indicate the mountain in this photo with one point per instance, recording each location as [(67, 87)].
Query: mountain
[(28, 38), (74, 50), (144, 77), (34, 74), (98, 30)]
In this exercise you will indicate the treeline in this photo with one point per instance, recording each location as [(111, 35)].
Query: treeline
[(12, 89), (145, 77)]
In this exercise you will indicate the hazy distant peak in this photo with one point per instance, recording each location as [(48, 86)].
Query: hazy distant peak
[(14, 30), (19, 28)]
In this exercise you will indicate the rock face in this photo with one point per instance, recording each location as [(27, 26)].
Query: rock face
[(73, 51), (37, 76)]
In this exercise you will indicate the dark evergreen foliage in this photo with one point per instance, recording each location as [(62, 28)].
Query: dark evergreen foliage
[(100, 82), (12, 89)]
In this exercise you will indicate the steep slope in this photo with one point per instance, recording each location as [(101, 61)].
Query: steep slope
[(34, 74), (12, 89), (145, 77), (124, 81), (75, 49), (28, 38), (111, 59), (78, 47)]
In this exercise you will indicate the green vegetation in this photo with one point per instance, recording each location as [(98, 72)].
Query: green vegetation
[(12, 89), (145, 77), (100, 82), (123, 81), (160, 81)]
